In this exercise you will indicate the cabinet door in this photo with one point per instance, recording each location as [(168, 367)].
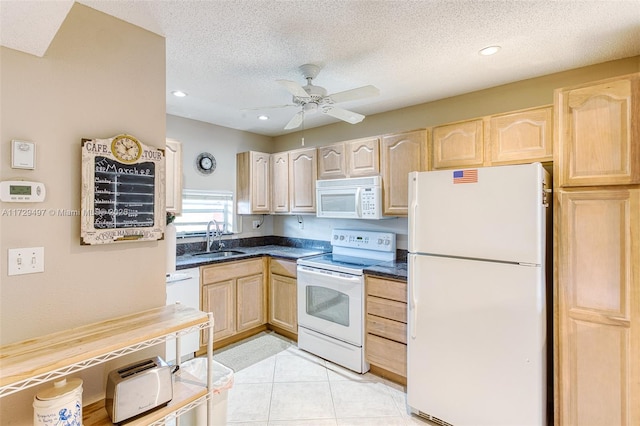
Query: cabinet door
[(521, 137), (598, 133), (253, 183), (598, 267), (251, 302), (458, 145), (283, 303), (280, 179), (363, 157), (173, 167), (332, 163), (303, 169), (219, 298), (260, 182), (400, 154)]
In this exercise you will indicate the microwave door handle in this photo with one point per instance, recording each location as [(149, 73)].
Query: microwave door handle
[(359, 202)]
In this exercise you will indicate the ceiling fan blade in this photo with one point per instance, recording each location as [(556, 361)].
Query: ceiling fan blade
[(354, 94), (294, 88), (295, 121), (269, 107), (343, 114)]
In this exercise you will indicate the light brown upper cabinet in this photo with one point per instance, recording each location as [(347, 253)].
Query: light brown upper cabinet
[(523, 136), (280, 182), (400, 154), (360, 157), (253, 183), (173, 167), (303, 169), (598, 132), (458, 145)]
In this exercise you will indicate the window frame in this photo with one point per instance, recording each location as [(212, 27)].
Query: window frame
[(190, 197)]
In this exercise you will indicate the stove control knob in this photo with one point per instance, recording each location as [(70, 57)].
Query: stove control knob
[(387, 242), (379, 241), (335, 237)]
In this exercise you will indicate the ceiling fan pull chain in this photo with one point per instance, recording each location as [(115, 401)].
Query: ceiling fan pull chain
[(302, 128)]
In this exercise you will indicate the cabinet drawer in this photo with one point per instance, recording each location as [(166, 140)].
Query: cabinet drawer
[(387, 308), (384, 327), (227, 271), (390, 355), (387, 289), (283, 267)]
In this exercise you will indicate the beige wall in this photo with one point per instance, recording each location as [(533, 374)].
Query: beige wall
[(100, 77), (223, 143)]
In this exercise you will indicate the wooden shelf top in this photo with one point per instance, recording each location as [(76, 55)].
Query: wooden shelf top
[(33, 357)]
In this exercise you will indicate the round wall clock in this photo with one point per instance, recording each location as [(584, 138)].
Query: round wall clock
[(126, 148), (205, 163)]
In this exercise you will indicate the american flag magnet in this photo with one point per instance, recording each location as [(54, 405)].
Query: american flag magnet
[(465, 176)]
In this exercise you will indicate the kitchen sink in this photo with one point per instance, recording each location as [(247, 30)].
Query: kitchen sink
[(215, 254)]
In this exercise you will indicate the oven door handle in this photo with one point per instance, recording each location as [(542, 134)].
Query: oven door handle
[(328, 275)]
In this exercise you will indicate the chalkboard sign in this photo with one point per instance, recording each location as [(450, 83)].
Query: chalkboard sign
[(122, 191)]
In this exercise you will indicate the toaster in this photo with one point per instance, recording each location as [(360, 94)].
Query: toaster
[(137, 388)]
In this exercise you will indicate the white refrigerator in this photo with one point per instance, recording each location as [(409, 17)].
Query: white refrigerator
[(477, 302)]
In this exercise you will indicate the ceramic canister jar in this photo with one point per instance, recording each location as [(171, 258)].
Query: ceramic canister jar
[(59, 405)]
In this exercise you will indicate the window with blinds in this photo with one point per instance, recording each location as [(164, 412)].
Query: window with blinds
[(199, 207)]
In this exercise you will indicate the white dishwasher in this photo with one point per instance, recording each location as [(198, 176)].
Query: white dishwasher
[(184, 287)]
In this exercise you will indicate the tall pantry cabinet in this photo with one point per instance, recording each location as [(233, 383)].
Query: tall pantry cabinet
[(597, 253)]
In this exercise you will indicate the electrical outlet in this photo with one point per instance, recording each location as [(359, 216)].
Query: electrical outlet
[(25, 260), (256, 224)]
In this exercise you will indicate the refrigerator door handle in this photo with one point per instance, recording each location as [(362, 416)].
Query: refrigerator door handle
[(413, 207), (413, 303)]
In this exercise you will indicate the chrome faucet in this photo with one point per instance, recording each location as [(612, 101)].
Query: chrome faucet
[(211, 236)]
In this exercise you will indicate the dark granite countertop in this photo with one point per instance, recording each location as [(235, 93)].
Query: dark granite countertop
[(283, 248), (186, 260), (396, 269)]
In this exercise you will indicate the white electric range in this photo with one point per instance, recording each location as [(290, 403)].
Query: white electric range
[(331, 295)]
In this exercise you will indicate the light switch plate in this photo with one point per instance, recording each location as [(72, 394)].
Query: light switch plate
[(23, 155), (25, 260)]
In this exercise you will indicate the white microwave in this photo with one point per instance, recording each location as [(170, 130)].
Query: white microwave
[(352, 198)]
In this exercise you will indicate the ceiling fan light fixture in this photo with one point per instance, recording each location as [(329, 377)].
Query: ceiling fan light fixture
[(489, 50), (310, 107)]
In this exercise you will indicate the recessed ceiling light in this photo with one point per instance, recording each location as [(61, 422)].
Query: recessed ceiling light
[(263, 117), (179, 93), (489, 50)]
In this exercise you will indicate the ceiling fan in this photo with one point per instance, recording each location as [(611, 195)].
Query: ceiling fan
[(314, 98)]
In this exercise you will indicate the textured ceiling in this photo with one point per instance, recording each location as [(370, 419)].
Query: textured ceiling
[(227, 55)]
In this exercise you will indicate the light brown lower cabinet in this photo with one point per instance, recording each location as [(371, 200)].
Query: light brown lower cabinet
[(598, 288), (283, 295), (236, 294), (386, 325)]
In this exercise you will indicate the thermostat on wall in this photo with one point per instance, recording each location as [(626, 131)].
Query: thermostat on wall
[(18, 191), (23, 155)]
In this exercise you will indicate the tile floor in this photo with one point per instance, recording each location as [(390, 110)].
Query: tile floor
[(294, 387)]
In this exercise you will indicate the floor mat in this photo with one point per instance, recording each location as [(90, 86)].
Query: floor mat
[(251, 351)]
